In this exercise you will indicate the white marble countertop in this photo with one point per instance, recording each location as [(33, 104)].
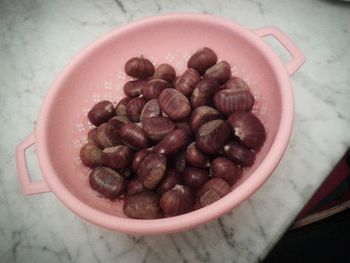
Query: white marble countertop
[(37, 38)]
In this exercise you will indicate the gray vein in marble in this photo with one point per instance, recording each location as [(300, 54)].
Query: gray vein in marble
[(120, 5)]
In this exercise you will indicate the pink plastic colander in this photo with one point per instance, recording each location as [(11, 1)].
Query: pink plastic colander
[(97, 73)]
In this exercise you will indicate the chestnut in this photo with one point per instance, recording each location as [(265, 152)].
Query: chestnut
[(172, 142), (185, 126), (143, 205), (212, 136), (138, 158), (134, 187), (202, 115), (107, 136), (139, 68), (204, 92), (177, 201), (92, 136), (134, 109), (107, 182), (221, 72), (118, 121), (134, 88), (151, 170), (117, 157), (213, 190), (120, 109), (236, 84), (180, 161), (195, 157), (228, 101), (156, 128), (91, 156), (223, 168), (165, 72), (195, 178), (239, 153), (133, 136), (171, 178), (174, 104), (154, 87), (151, 109), (248, 128), (101, 112), (187, 81), (202, 59)]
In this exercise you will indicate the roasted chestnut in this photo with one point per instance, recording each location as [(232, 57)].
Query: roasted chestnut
[(202, 115), (134, 88), (228, 101), (143, 205), (134, 109), (213, 190), (118, 121), (151, 109), (239, 153), (204, 92), (139, 68), (156, 128), (171, 178), (221, 72), (101, 112), (91, 155), (172, 142), (107, 135), (187, 81), (154, 87), (138, 158), (195, 157), (177, 201), (223, 168), (174, 104), (132, 135), (195, 178), (151, 170), (236, 84), (117, 157), (120, 109), (165, 72), (202, 59)]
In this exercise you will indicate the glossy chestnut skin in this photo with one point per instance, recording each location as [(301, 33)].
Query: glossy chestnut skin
[(202, 59), (239, 153), (133, 136), (212, 136), (117, 157), (154, 87), (195, 178), (120, 109), (229, 101), (221, 72), (212, 191), (139, 68), (187, 81), (92, 136), (134, 109), (101, 112), (204, 92), (195, 157), (248, 128), (151, 109), (143, 205), (157, 128), (107, 136), (171, 178), (151, 170), (236, 84), (134, 187), (165, 72), (134, 88), (138, 158), (174, 104), (224, 168), (91, 156), (107, 182), (118, 121), (172, 142), (177, 201), (202, 115)]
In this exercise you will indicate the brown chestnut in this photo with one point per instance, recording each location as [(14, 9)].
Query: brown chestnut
[(132, 135), (92, 136), (165, 72), (185, 126), (151, 109), (221, 72), (174, 104), (228, 101), (139, 68), (151, 170), (195, 157), (223, 168), (117, 157), (107, 136), (154, 87), (172, 142), (248, 128), (101, 112), (236, 84), (91, 156), (118, 121), (212, 136), (202, 59), (107, 182), (157, 128), (143, 205), (202, 115), (120, 109), (177, 201), (134, 187), (213, 190), (180, 161), (134, 88), (138, 158), (134, 109), (195, 178), (239, 153), (171, 178), (204, 92), (187, 81)]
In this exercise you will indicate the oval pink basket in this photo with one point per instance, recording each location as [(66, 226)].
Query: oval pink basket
[(97, 73)]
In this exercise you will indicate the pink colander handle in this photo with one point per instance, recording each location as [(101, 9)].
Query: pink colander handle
[(298, 59), (28, 187)]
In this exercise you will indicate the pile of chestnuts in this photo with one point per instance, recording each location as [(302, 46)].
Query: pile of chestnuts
[(174, 143)]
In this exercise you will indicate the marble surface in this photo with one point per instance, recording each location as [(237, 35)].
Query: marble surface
[(37, 38)]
